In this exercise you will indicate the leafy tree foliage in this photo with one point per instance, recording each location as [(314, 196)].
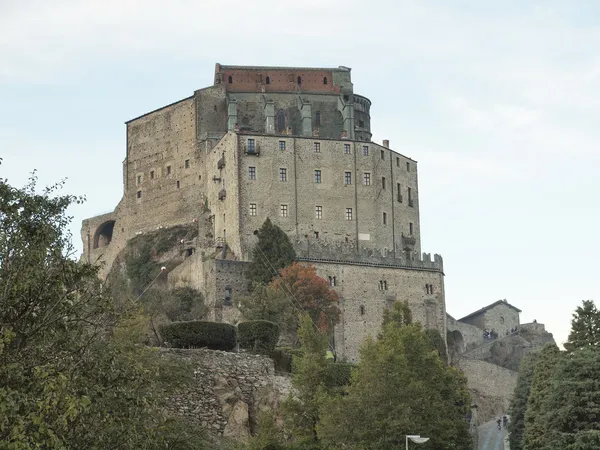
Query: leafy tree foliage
[(309, 379), (400, 314), (68, 377), (573, 404), (272, 252), (437, 343), (400, 387), (535, 436), (585, 327), (518, 405), (302, 285), (268, 303)]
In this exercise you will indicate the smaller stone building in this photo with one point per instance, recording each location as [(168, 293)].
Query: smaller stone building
[(500, 317)]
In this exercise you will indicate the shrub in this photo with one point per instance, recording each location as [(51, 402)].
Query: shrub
[(260, 336), (282, 358), (213, 335), (338, 374)]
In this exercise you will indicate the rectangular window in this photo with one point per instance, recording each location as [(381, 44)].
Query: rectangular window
[(316, 234), (317, 176), (348, 213), (139, 194), (318, 212), (187, 163), (410, 228), (410, 201), (346, 149), (365, 150), (382, 154), (252, 173), (399, 193), (407, 166), (385, 218), (367, 178), (252, 209), (152, 174), (284, 210), (178, 184), (139, 179), (398, 161), (317, 146), (348, 178), (251, 146), (282, 174), (168, 170), (281, 145), (383, 183)]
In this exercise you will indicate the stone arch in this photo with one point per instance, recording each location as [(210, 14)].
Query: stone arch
[(458, 341), (103, 234), (280, 121)]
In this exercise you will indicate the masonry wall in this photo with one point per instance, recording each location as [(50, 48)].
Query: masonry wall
[(469, 335), (501, 318)]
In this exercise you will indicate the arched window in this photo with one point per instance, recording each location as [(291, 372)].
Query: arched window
[(268, 80), (299, 79), (318, 119), (280, 121), (324, 80), (230, 79)]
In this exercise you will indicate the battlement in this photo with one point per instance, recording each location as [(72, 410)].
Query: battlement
[(424, 263)]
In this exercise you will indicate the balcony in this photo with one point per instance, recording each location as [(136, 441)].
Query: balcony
[(221, 163), (222, 194), (252, 149), (409, 241)]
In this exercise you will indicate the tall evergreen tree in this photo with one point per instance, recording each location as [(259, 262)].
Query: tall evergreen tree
[(272, 252), (535, 436), (585, 327), (518, 405), (572, 409)]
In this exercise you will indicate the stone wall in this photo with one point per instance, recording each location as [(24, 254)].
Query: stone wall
[(491, 387), (229, 391), (465, 336)]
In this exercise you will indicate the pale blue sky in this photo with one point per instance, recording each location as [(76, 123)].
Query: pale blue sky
[(499, 103)]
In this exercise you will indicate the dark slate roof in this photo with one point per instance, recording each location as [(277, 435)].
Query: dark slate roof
[(485, 308)]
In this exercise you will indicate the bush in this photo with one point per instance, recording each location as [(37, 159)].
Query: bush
[(282, 358), (213, 335), (338, 374), (260, 336)]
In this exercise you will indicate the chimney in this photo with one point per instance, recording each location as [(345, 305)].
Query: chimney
[(386, 143)]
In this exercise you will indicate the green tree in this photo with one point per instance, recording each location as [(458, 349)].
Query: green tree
[(518, 404), (437, 343), (535, 435), (585, 327), (301, 411), (272, 252), (400, 314), (68, 378), (267, 303), (572, 408), (400, 387)]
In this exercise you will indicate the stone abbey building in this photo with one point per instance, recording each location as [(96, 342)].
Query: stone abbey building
[(290, 144)]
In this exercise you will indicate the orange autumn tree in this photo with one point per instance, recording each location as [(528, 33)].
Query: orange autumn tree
[(310, 292)]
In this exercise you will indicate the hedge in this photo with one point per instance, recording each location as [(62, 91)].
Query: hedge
[(338, 374), (259, 336), (282, 358), (213, 335)]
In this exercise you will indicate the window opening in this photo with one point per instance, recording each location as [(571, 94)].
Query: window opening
[(139, 194), (280, 121), (399, 193), (281, 145), (318, 212), (382, 154), (187, 163), (251, 145), (168, 170), (152, 174), (410, 228), (299, 80), (316, 234), (227, 296), (139, 179), (407, 166), (317, 147), (367, 178), (361, 124), (282, 174), (178, 184), (348, 178), (284, 210), (324, 80), (317, 176), (385, 218), (362, 310), (252, 173), (348, 213), (346, 149), (398, 161), (318, 119), (253, 209), (230, 79), (268, 80), (365, 150)]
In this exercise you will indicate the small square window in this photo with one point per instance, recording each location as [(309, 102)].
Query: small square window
[(365, 150), (367, 178), (253, 209), (348, 178), (281, 145), (348, 213), (283, 210), (139, 179), (168, 170), (346, 149), (317, 146), (252, 173), (152, 174), (317, 176), (385, 218), (382, 154), (383, 183), (282, 174), (407, 166), (139, 194), (318, 212), (187, 163)]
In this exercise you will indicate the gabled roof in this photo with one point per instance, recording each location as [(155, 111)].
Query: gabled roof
[(485, 308)]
